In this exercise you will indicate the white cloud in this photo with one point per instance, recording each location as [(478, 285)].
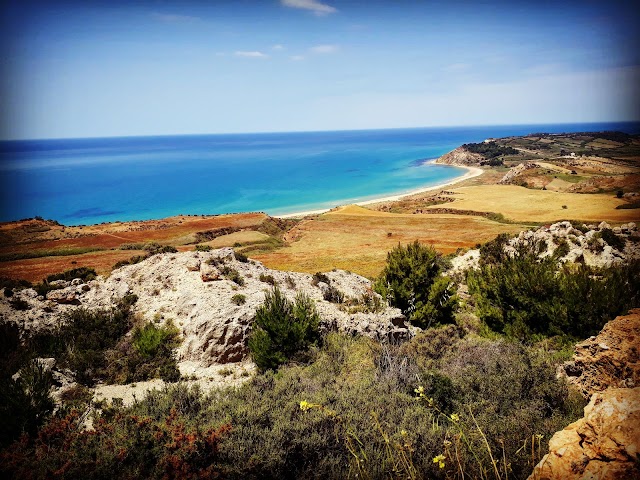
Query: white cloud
[(318, 8), (297, 58), (252, 54), (324, 49), (278, 47), (174, 18)]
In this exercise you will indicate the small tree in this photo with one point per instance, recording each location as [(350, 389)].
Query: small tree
[(411, 281), (282, 329)]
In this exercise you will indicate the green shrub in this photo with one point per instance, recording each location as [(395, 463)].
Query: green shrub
[(524, 296), (267, 279), (19, 304), (333, 295), (241, 257), (85, 273), (132, 261), (282, 329), (612, 239), (25, 402), (239, 299), (493, 250), (306, 421), (203, 248), (149, 339), (320, 277), (147, 354), (82, 340), (411, 281), (232, 274), (562, 248)]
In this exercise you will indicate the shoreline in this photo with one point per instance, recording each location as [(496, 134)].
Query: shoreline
[(471, 172)]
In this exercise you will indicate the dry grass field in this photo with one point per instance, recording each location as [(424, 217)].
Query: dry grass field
[(357, 239), (520, 204)]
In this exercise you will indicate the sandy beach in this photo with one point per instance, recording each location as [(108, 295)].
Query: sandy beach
[(471, 173)]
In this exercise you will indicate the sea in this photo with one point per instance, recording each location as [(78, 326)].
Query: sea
[(93, 180)]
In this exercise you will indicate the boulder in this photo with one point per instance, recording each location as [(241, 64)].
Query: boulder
[(63, 296), (603, 444), (610, 359), (209, 273)]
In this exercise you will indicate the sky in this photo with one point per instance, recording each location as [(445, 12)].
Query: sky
[(114, 68)]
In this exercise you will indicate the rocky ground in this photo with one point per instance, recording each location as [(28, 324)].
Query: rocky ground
[(605, 443), (211, 297)]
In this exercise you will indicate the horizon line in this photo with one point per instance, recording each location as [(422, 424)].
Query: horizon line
[(91, 137)]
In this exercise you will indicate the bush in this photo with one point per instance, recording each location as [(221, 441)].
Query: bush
[(121, 445), (132, 261), (267, 279), (241, 257), (232, 274), (85, 273), (306, 421), (81, 342), (25, 402), (203, 248), (19, 304), (612, 239), (411, 281), (147, 354), (239, 299), (333, 295), (282, 329), (524, 296), (319, 277)]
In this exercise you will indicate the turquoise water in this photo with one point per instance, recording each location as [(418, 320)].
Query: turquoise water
[(87, 181)]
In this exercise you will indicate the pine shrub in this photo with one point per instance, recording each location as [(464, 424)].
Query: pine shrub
[(411, 281), (282, 329)]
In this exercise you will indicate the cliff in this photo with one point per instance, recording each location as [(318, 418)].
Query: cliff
[(461, 156)]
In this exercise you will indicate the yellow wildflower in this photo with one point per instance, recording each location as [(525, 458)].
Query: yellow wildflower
[(403, 433), (304, 405), (439, 459), (420, 391), (455, 417)]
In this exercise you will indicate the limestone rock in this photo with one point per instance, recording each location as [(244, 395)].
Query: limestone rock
[(602, 445), (213, 327), (208, 273), (461, 156), (64, 296), (611, 359), (517, 170)]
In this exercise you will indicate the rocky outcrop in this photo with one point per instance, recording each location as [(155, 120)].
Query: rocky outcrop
[(516, 171), (587, 245), (602, 445), (605, 443), (212, 297), (461, 156), (610, 359)]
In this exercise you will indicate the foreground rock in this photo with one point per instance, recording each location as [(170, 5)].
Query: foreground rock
[(212, 298), (605, 443), (602, 445), (611, 359)]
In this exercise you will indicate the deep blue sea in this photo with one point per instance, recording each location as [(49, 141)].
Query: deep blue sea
[(87, 181)]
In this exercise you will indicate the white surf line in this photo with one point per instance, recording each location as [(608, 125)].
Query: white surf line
[(472, 172)]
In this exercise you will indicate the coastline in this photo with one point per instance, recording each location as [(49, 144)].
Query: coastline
[(471, 172)]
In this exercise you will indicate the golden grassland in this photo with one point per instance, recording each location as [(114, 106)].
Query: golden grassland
[(527, 205), (357, 239)]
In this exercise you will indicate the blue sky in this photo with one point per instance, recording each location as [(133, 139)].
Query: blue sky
[(79, 69)]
